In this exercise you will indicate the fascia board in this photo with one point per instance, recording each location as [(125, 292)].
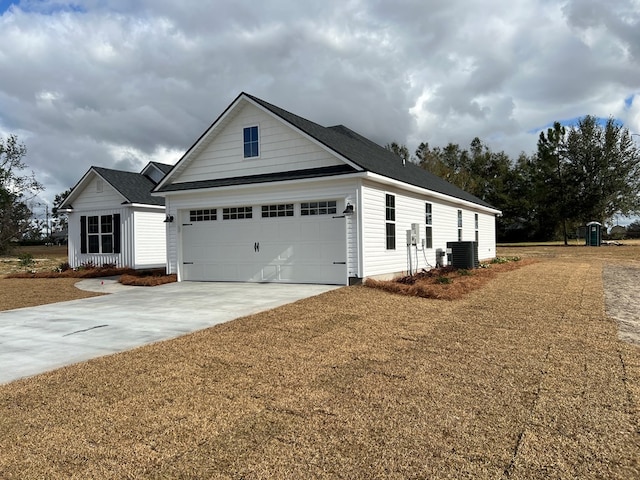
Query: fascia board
[(145, 205), (204, 138), (82, 184)]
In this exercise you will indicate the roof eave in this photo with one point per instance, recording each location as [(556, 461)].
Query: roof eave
[(246, 186), (425, 191)]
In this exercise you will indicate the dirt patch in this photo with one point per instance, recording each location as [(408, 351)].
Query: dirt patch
[(45, 259), (622, 299)]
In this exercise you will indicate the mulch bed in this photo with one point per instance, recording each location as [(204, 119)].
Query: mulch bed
[(446, 283), (523, 378)]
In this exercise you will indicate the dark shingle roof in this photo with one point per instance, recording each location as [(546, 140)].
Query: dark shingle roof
[(135, 187), (371, 156), (262, 178)]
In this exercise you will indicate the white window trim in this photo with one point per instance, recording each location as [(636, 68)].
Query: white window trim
[(257, 125)]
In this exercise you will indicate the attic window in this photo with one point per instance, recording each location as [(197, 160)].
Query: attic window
[(250, 140)]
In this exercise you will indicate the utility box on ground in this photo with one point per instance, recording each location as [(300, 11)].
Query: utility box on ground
[(594, 234), (463, 254)]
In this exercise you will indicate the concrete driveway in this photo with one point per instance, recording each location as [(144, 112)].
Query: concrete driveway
[(37, 339)]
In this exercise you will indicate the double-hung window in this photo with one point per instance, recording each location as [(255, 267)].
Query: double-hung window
[(459, 225), (251, 142), (428, 220), (390, 226), (100, 234)]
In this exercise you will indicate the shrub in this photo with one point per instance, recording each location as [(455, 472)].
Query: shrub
[(63, 267), (500, 260), (443, 280), (26, 260)]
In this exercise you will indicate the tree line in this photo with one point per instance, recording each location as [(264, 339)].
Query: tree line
[(587, 172)]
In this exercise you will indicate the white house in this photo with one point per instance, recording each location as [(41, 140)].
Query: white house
[(113, 219), (267, 196)]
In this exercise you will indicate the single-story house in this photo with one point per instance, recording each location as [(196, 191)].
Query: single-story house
[(267, 196), (113, 219)]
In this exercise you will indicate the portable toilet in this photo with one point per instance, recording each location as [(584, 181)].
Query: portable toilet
[(594, 234)]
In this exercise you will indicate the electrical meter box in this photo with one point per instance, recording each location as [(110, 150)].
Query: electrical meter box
[(415, 234)]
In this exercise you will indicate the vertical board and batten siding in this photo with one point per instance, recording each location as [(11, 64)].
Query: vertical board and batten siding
[(280, 149), (150, 249), (410, 208), (122, 259), (343, 191), (91, 202)]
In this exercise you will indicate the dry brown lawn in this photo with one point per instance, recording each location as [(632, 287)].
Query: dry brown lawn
[(523, 378), (20, 292)]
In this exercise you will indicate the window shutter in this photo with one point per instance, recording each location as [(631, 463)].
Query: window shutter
[(83, 234), (116, 233)]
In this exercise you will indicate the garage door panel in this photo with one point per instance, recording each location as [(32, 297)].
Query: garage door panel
[(291, 249)]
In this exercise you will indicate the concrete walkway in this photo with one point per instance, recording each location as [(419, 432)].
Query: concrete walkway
[(37, 339)]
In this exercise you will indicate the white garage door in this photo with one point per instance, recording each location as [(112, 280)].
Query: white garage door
[(223, 245)]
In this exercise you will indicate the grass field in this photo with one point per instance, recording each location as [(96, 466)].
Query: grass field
[(524, 378)]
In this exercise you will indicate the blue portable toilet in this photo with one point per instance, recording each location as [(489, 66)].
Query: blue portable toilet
[(594, 234)]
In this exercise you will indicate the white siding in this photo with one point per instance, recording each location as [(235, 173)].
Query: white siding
[(91, 199), (410, 208), (150, 242), (280, 149), (144, 225), (487, 236)]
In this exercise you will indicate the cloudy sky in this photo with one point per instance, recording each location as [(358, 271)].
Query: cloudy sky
[(117, 83)]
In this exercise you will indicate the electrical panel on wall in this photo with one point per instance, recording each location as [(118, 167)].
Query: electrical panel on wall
[(415, 234)]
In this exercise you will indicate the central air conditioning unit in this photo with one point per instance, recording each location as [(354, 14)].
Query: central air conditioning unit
[(463, 254)]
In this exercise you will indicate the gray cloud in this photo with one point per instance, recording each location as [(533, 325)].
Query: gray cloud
[(118, 83)]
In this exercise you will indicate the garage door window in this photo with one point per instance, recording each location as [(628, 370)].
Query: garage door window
[(318, 208), (236, 213), (204, 215), (281, 210)]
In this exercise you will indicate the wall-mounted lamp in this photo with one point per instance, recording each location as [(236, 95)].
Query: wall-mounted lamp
[(348, 210), (168, 219)]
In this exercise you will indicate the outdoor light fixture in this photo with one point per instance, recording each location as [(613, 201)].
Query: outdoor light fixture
[(168, 219), (348, 210)]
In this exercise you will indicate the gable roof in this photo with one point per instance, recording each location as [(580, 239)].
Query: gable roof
[(356, 149), (162, 167), (133, 187)]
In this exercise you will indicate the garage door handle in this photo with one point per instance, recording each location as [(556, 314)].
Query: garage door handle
[(256, 247), (339, 263)]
